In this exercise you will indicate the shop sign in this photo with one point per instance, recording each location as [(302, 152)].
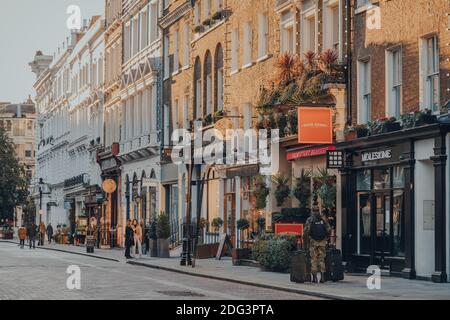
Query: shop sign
[(312, 152), (376, 155), (109, 186), (315, 125)]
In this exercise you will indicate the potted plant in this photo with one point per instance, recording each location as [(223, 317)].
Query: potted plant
[(261, 222), (362, 130), (153, 237), (326, 188), (218, 115), (207, 22), (282, 189), (163, 234), (241, 253), (198, 29), (217, 16), (217, 223), (350, 134), (302, 190), (389, 124), (261, 191), (208, 120), (424, 117)]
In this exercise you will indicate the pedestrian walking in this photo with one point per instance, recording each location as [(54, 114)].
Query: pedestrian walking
[(31, 232), (42, 232), (49, 233), (316, 234), (137, 238), (22, 232), (129, 239)]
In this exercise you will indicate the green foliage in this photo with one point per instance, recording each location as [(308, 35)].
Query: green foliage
[(261, 191), (276, 216), (217, 223), (13, 181), (152, 234), (289, 238), (259, 248), (282, 189), (302, 191), (163, 226), (274, 254), (243, 224), (325, 188), (208, 120), (261, 221)]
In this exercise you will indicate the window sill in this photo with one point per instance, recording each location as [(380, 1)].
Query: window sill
[(185, 67), (176, 72), (364, 8), (234, 72), (263, 58), (248, 65)]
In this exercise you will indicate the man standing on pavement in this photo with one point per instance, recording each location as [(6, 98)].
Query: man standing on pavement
[(49, 233), (129, 239), (42, 232), (31, 231), (316, 234), (22, 232)]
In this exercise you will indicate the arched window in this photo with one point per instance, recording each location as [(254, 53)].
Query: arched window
[(208, 85), (218, 78), (197, 89), (152, 174)]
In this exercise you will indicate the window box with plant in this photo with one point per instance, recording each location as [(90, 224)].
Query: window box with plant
[(198, 29), (218, 15), (208, 120)]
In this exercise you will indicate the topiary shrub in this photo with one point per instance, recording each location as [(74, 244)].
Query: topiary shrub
[(275, 255), (289, 238), (243, 224), (217, 223), (152, 234), (259, 248), (163, 226)]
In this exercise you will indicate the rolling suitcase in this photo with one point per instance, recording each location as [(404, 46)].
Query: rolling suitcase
[(333, 263), (300, 267)]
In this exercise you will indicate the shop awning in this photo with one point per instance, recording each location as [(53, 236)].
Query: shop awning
[(306, 151)]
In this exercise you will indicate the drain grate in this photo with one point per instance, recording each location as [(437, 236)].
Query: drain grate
[(181, 294)]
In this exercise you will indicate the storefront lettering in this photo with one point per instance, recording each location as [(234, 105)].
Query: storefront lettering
[(377, 155)]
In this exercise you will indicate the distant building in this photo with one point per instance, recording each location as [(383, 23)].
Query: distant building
[(19, 121)]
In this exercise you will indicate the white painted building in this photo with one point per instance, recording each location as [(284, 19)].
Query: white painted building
[(70, 124), (139, 116)]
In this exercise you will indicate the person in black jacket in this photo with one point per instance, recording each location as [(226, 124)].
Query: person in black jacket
[(129, 240), (32, 232)]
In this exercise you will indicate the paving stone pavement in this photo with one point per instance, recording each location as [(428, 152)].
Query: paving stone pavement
[(41, 274)]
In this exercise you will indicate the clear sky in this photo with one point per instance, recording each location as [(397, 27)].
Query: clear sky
[(27, 26)]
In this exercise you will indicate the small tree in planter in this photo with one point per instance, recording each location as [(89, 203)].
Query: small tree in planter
[(302, 191), (241, 253), (261, 221), (163, 234), (217, 223), (153, 237), (282, 189), (261, 192)]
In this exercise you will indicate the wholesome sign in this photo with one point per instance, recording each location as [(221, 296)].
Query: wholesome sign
[(377, 155), (315, 125)]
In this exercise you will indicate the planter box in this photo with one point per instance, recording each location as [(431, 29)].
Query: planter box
[(163, 248), (391, 127), (206, 251), (362, 133), (240, 254), (153, 248), (427, 119), (349, 136)]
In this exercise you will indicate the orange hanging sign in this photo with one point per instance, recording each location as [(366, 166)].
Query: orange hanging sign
[(315, 125)]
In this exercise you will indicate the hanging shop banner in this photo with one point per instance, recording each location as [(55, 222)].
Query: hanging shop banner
[(315, 125)]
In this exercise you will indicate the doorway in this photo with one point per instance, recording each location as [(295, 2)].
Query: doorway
[(381, 228)]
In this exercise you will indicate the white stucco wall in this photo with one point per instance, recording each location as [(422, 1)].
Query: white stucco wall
[(424, 190)]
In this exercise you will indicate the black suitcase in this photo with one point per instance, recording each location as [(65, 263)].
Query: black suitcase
[(300, 267), (333, 263)]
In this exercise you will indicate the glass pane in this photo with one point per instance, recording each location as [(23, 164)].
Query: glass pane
[(364, 222), (363, 180), (399, 177), (382, 179), (397, 223)]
